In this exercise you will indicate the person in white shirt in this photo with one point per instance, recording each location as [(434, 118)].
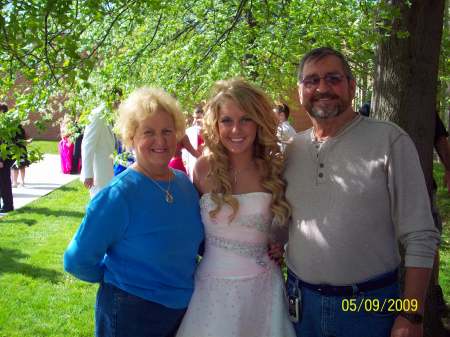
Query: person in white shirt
[(97, 149), (285, 131)]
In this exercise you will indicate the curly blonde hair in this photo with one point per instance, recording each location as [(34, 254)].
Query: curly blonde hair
[(267, 153), (142, 103)]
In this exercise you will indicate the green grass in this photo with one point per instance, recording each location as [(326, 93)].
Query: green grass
[(38, 299), (444, 209), (46, 146)]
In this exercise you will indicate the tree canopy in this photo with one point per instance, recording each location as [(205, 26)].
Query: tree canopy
[(82, 49)]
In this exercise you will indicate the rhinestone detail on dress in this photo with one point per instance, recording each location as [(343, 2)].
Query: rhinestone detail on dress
[(257, 251)]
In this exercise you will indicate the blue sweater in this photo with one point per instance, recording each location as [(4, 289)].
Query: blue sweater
[(132, 238)]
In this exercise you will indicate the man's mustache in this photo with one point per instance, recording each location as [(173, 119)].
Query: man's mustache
[(321, 96)]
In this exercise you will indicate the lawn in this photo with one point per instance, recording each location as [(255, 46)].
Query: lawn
[(38, 299), (46, 146)]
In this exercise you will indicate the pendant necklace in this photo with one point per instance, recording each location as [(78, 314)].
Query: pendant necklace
[(168, 195), (237, 172)]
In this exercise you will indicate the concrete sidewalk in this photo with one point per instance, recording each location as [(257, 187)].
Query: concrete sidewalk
[(40, 179)]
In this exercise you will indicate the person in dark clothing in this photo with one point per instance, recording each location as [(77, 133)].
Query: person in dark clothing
[(76, 158), (365, 109), (442, 148), (5, 177), (19, 166)]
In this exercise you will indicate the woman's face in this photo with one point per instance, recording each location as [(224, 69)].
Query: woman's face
[(155, 141), (237, 130)]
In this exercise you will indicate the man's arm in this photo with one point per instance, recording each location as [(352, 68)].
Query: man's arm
[(414, 227)]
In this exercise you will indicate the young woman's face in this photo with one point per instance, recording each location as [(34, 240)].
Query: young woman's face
[(237, 130)]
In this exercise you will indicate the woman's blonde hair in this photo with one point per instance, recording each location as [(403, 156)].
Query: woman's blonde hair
[(256, 104), (142, 103)]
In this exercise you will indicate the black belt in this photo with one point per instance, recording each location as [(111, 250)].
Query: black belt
[(350, 290)]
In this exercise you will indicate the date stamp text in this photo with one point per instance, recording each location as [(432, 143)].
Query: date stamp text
[(375, 305)]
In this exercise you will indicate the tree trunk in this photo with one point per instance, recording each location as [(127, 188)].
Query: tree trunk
[(405, 87)]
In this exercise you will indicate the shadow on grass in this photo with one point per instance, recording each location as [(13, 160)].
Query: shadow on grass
[(66, 188), (28, 222), (48, 211), (9, 264)]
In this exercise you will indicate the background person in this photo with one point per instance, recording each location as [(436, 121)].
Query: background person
[(194, 133), (285, 131), (177, 161), (97, 149), (140, 235), (364, 110), (19, 166), (441, 146), (5, 175)]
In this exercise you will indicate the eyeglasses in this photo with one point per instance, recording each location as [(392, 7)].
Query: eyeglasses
[(313, 81)]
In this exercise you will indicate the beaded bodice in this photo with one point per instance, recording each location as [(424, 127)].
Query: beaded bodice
[(245, 237)]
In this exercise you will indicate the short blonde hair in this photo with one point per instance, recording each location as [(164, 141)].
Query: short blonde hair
[(142, 103), (258, 106)]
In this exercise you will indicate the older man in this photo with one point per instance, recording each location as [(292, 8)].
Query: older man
[(356, 188)]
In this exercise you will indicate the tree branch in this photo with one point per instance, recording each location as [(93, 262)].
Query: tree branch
[(176, 36), (220, 40), (47, 60), (100, 43), (8, 46), (141, 51)]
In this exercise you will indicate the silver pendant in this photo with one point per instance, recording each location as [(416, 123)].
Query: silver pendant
[(169, 197)]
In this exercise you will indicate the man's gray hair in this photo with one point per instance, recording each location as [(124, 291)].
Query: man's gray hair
[(320, 53)]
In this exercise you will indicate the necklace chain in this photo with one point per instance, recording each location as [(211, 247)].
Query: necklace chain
[(168, 196), (237, 172)]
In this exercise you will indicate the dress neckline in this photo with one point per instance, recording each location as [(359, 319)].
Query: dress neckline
[(240, 195)]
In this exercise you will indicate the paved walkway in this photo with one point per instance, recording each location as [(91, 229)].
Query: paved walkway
[(40, 179)]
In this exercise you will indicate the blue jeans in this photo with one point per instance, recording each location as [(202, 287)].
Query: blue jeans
[(330, 316), (120, 314)]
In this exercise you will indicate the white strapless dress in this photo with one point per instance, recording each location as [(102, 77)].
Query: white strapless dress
[(239, 291)]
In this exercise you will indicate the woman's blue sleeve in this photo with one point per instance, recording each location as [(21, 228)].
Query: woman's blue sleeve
[(104, 224)]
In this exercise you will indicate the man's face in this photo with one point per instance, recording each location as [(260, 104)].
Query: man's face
[(325, 90), (282, 117)]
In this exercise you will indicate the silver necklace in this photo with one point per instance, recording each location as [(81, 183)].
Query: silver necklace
[(238, 172), (168, 195)]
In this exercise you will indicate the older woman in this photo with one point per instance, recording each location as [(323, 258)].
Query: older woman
[(140, 235)]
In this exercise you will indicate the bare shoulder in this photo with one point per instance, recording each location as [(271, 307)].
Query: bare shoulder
[(200, 173)]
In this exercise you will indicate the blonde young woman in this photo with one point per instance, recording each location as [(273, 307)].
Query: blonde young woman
[(238, 288)]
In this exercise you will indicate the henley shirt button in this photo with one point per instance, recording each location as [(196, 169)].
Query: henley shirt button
[(321, 165), (320, 175)]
